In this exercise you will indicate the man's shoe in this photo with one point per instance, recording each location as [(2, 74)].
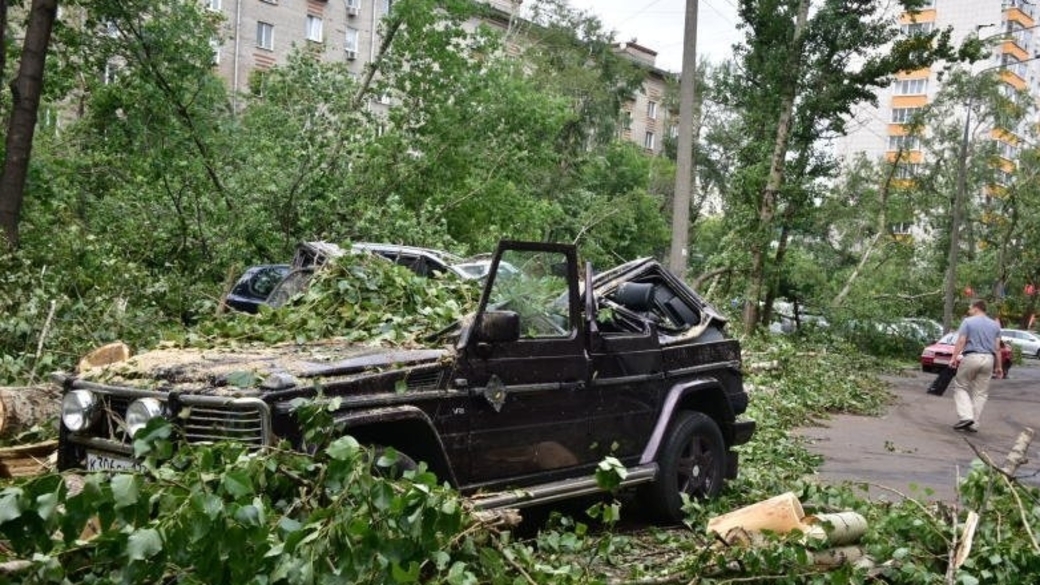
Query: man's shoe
[(964, 425)]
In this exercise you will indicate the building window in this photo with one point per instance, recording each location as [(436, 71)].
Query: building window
[(214, 44), (385, 6), (904, 142), (353, 35), (906, 170), (1007, 151), (673, 131), (911, 87), (265, 35), (353, 7), (903, 115), (917, 28), (648, 141), (314, 32), (213, 5), (651, 110)]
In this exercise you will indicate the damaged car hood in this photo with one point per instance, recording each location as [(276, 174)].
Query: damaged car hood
[(233, 370)]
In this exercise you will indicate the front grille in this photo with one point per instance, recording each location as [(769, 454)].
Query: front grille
[(244, 424), (201, 418)]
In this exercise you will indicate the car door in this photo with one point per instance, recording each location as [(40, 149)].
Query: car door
[(525, 364)]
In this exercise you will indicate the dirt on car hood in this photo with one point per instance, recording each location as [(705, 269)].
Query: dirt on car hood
[(232, 370)]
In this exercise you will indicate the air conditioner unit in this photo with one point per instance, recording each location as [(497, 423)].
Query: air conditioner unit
[(353, 10), (351, 54)]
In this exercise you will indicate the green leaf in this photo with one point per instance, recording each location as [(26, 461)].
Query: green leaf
[(143, 544), (124, 490), (238, 483), (46, 505), (409, 575), (10, 505), (343, 449)]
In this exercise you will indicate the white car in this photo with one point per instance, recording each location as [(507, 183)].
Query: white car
[(1024, 340)]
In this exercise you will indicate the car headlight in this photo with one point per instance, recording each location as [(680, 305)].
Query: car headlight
[(928, 353), (140, 412), (79, 410)]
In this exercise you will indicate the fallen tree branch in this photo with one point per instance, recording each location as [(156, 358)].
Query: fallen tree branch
[(1022, 515)]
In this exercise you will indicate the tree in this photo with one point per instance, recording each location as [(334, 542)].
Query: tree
[(26, 89), (803, 68)]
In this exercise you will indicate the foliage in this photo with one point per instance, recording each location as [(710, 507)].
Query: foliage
[(221, 513), (359, 297)]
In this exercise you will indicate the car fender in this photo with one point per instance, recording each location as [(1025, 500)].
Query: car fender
[(703, 395), (406, 428)]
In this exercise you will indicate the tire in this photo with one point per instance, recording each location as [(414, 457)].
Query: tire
[(1007, 367), (691, 461)]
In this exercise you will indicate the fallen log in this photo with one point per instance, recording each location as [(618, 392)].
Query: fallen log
[(27, 460), (25, 407)]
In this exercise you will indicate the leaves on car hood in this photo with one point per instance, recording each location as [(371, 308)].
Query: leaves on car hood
[(356, 297)]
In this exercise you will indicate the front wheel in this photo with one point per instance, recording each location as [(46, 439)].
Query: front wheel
[(692, 462)]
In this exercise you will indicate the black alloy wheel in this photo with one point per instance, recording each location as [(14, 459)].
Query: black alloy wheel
[(692, 462)]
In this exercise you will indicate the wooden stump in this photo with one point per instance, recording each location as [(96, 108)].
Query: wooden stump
[(22, 408)]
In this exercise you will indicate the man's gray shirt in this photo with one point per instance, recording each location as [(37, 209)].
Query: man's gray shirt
[(981, 333)]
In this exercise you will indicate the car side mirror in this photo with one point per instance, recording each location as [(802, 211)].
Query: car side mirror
[(499, 327)]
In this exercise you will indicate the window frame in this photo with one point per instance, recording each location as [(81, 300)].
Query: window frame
[(309, 31), (262, 28)]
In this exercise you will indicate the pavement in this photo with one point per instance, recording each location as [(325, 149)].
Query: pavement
[(913, 450)]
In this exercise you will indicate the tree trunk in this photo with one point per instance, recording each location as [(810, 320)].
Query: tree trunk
[(767, 204), (25, 97), (22, 408), (881, 227)]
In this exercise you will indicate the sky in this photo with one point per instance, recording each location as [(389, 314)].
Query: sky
[(658, 25)]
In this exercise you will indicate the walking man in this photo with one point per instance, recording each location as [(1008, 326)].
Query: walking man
[(978, 344)]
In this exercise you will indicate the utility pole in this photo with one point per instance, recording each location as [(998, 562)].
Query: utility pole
[(684, 178)]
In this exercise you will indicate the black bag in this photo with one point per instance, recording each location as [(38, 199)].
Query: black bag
[(942, 381)]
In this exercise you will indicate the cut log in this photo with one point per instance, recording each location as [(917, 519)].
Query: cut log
[(836, 557), (836, 529), (26, 460), (106, 354), (22, 408), (779, 514)]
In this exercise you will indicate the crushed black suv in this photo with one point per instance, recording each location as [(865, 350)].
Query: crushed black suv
[(516, 405)]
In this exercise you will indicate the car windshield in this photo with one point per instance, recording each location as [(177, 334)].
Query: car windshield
[(949, 338), (530, 284)]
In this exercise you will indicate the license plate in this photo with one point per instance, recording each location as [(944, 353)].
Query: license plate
[(942, 361), (99, 462)]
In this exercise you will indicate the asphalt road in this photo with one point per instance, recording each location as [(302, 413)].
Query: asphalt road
[(914, 443)]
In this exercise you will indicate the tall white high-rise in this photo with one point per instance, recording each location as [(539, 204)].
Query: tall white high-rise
[(1007, 25)]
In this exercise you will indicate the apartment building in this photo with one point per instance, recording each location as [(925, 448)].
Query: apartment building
[(647, 118), (1010, 26), (259, 34)]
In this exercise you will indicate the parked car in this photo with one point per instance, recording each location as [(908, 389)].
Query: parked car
[(309, 256), (937, 356), (1026, 341), (515, 405), (254, 286)]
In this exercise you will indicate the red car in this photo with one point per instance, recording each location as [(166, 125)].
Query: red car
[(937, 356)]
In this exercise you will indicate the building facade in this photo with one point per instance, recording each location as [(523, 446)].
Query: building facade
[(259, 34), (1007, 25)]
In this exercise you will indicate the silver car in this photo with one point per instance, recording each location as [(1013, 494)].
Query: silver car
[(1024, 340)]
